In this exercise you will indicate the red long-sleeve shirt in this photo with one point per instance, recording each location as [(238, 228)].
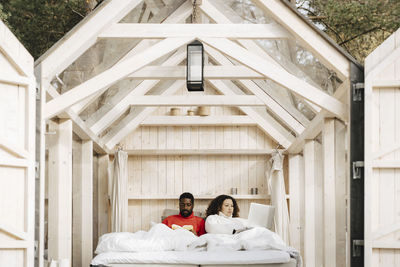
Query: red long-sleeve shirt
[(197, 222)]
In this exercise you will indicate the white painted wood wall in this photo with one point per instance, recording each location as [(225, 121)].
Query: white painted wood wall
[(382, 154), (17, 152)]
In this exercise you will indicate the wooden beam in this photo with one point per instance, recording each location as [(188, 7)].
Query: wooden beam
[(158, 31), (79, 126), (385, 230), (210, 72), (386, 244), (14, 79), (133, 120), (178, 16), (182, 152), (10, 162), (13, 149), (386, 150), (60, 191), (112, 75), (102, 192), (12, 244), (270, 103), (283, 78), (307, 36), (266, 122), (83, 36), (188, 100), (82, 230), (328, 143), (217, 16), (10, 230), (386, 164), (315, 127), (198, 121), (120, 102), (386, 84), (309, 202), (205, 197), (296, 208)]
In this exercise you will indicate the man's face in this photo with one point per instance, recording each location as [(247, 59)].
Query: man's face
[(185, 207)]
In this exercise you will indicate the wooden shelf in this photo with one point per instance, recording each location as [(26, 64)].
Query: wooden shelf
[(220, 152), (155, 197)]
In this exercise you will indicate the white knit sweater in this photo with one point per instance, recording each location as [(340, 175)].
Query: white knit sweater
[(222, 224)]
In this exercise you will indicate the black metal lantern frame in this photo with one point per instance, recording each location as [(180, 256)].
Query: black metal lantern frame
[(195, 66)]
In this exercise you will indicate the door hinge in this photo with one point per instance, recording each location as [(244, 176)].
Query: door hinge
[(357, 244), (357, 165), (358, 89)]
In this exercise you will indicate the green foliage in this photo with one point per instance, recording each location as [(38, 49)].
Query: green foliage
[(38, 24), (358, 26)]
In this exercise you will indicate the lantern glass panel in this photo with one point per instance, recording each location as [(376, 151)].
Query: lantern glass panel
[(195, 59)]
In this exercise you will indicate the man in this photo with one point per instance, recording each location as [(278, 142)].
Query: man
[(186, 219)]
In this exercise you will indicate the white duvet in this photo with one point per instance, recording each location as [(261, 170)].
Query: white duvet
[(162, 238)]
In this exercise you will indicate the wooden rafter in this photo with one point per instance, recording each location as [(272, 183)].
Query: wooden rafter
[(189, 100), (79, 126), (237, 31), (178, 16), (307, 36), (210, 72), (271, 104), (218, 17), (239, 120), (266, 122), (107, 117), (283, 78), (316, 124), (83, 36), (112, 75), (133, 120)]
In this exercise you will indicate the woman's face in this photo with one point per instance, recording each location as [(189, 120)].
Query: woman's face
[(227, 207)]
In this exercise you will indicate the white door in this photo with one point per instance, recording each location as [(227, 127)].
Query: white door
[(382, 155), (17, 152)]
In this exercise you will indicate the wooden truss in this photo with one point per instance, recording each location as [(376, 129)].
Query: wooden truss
[(158, 58)]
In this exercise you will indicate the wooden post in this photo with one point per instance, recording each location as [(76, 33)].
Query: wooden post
[(296, 192), (342, 183), (60, 191), (328, 141), (82, 203), (103, 195), (309, 201)]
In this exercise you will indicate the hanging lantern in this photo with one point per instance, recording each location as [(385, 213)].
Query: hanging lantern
[(195, 66)]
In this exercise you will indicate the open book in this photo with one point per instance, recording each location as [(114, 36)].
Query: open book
[(261, 215)]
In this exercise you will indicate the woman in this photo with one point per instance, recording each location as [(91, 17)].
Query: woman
[(223, 216)]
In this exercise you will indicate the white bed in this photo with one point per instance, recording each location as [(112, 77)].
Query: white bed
[(161, 246), (268, 258)]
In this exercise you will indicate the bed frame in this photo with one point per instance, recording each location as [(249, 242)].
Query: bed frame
[(291, 263)]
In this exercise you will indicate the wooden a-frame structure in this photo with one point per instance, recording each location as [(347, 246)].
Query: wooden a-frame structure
[(239, 70)]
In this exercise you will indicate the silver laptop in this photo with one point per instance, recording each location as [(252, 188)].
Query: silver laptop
[(261, 215)]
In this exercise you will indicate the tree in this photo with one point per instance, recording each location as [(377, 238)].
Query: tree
[(38, 24), (358, 26)]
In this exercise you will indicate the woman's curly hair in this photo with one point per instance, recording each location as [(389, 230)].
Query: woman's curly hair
[(215, 206)]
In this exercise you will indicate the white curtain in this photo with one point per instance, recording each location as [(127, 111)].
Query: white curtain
[(276, 187), (118, 181)]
